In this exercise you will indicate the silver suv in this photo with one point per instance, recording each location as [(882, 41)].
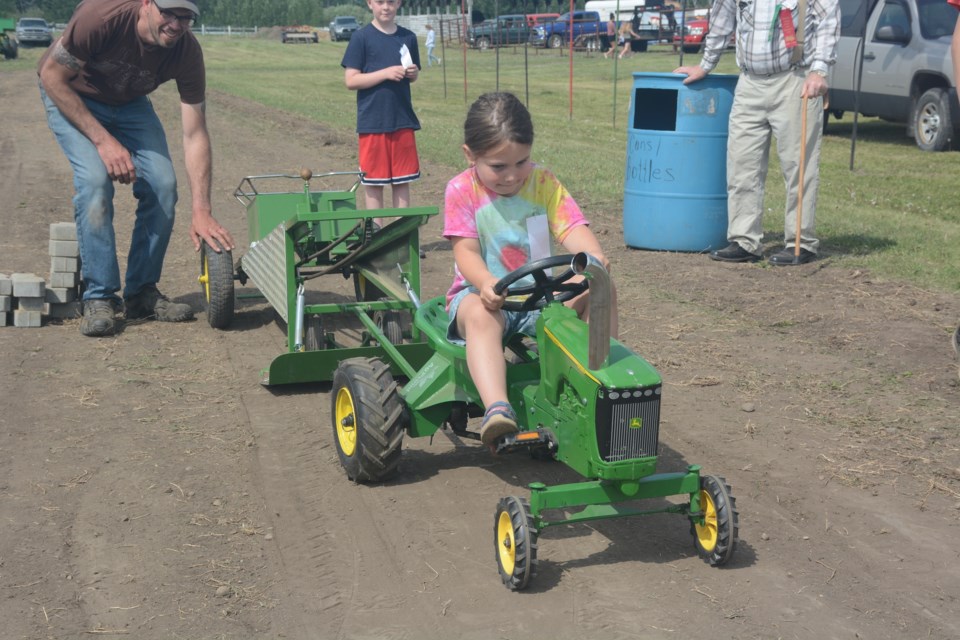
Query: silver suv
[(907, 70), (32, 31), (343, 27)]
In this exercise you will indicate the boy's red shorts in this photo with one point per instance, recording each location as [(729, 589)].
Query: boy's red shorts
[(389, 158)]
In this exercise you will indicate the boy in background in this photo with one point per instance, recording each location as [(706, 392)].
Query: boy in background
[(381, 61)]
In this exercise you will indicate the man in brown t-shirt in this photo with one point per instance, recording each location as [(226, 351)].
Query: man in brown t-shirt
[(94, 81)]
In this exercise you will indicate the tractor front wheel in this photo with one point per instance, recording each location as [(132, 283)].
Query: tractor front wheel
[(515, 542), (368, 419), (216, 278), (716, 538)]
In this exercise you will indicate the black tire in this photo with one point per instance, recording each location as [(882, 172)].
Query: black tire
[(391, 324), (691, 48), (555, 41), (314, 338), (932, 122), (216, 279), (368, 419), (10, 47), (716, 539), (515, 542), (483, 44)]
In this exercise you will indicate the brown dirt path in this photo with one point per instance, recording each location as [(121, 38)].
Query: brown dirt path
[(150, 487)]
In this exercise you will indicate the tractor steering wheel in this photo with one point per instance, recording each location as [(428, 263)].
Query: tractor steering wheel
[(542, 291)]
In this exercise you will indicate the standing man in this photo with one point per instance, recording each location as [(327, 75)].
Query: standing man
[(94, 82), (784, 51)]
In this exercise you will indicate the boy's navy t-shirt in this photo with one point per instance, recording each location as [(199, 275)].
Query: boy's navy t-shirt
[(387, 107)]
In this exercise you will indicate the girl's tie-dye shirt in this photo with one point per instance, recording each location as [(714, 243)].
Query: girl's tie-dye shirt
[(500, 222)]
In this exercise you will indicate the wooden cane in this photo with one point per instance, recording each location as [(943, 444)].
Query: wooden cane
[(803, 160)]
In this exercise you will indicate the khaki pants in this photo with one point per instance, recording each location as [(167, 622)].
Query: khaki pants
[(765, 106)]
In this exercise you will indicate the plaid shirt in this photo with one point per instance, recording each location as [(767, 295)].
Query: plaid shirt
[(760, 45)]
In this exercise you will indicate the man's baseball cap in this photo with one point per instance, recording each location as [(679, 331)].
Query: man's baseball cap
[(178, 4)]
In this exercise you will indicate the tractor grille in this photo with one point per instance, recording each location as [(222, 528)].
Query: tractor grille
[(628, 423)]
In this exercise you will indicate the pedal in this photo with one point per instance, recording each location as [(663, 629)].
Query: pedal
[(526, 440)]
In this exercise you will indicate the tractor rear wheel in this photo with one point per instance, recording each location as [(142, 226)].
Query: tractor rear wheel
[(515, 542), (716, 538), (368, 419), (216, 278)]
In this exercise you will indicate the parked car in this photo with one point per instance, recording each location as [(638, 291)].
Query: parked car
[(508, 29), (34, 31), (696, 32), (907, 70), (342, 27), (587, 27)]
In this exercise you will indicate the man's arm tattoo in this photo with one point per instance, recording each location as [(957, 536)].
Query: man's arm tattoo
[(61, 55)]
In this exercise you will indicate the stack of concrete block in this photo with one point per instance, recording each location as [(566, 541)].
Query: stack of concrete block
[(62, 291), (28, 292)]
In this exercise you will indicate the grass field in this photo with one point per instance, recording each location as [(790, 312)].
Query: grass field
[(897, 213)]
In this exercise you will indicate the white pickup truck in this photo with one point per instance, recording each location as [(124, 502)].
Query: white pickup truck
[(907, 70)]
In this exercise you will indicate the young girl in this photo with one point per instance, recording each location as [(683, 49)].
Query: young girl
[(489, 212)]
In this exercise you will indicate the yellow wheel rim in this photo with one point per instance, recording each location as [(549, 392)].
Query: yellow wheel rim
[(707, 532), (204, 279), (506, 543), (346, 418)]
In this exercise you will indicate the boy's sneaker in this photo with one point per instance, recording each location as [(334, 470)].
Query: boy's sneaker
[(99, 318), (151, 304)]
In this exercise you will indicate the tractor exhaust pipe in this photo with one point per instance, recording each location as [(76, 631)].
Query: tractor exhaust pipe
[(590, 268)]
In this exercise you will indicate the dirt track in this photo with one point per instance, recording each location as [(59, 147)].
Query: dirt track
[(150, 487)]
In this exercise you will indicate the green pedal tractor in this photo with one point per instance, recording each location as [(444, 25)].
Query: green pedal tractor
[(581, 397)]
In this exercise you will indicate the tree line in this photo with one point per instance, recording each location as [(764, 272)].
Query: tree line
[(268, 13)]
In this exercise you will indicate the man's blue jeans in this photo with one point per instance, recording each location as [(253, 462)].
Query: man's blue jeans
[(136, 126)]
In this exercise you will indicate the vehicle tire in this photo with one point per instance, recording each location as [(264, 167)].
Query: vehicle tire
[(390, 323), (515, 542), (555, 41), (716, 538), (314, 338), (216, 279), (368, 419), (483, 44), (932, 124), (691, 48)]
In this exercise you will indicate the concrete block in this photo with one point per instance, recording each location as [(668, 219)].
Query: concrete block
[(27, 285), (3, 318), (23, 318), (59, 295), (6, 303), (64, 248), (61, 280), (64, 265), (71, 309), (6, 285), (63, 231), (30, 304)]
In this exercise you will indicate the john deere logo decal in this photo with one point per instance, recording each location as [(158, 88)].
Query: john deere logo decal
[(636, 423)]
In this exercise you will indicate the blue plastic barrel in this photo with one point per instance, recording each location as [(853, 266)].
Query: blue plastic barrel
[(675, 187)]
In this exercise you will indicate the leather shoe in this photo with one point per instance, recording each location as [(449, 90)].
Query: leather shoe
[(785, 257), (733, 252)]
